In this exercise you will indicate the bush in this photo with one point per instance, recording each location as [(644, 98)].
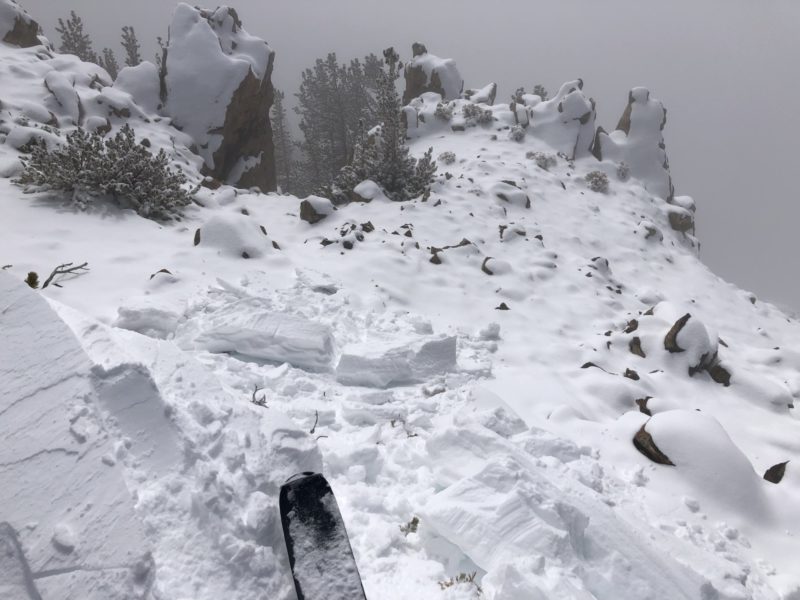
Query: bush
[(540, 91), (447, 158), (517, 133), (475, 114), (597, 182), (90, 167), (443, 111), (543, 160)]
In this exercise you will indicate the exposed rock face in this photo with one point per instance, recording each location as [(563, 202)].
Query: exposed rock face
[(216, 85), (639, 143), (16, 26), (428, 73)]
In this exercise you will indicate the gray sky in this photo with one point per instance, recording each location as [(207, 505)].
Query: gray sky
[(725, 69)]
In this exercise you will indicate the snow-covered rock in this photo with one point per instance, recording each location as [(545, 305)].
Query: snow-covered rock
[(16, 26), (218, 89), (141, 83), (313, 209), (374, 364), (639, 143), (234, 235), (426, 72), (566, 122)]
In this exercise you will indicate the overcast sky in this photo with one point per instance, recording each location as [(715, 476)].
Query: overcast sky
[(726, 70)]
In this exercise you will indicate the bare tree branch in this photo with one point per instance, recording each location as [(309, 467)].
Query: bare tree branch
[(65, 269)]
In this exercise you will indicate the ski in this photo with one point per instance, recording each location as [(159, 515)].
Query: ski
[(320, 556)]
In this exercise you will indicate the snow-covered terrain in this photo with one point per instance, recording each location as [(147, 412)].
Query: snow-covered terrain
[(469, 371)]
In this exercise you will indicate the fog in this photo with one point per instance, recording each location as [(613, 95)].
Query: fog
[(725, 69)]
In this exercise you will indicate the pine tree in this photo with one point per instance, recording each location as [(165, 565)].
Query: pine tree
[(74, 40), (282, 140), (382, 156), (335, 102), (131, 45), (109, 63)]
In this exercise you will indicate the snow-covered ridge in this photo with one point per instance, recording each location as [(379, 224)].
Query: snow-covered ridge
[(483, 360)]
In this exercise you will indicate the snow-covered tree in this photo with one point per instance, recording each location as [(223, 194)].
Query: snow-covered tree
[(335, 102), (119, 168), (282, 140), (382, 155), (74, 40), (109, 62), (131, 45)]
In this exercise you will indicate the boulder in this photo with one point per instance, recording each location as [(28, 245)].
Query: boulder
[(16, 26), (639, 143), (313, 209), (566, 122), (428, 73), (216, 85), (484, 95)]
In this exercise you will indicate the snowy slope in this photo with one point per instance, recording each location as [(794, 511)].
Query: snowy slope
[(385, 361)]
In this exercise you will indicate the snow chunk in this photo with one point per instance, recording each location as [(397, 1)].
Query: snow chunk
[(252, 329), (377, 365)]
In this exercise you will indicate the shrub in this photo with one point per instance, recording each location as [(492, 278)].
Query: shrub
[(517, 133), (539, 90), (447, 158), (90, 167), (543, 160), (475, 114), (597, 182), (443, 111)]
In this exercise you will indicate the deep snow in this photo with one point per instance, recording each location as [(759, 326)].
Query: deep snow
[(136, 465)]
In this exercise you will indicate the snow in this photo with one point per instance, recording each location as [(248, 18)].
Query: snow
[(445, 68), (132, 446)]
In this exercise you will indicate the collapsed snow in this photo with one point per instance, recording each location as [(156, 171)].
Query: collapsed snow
[(481, 360)]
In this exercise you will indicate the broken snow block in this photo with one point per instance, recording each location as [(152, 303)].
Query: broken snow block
[(313, 209), (382, 366)]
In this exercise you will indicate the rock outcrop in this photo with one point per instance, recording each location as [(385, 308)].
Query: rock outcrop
[(216, 85), (428, 73), (16, 26), (638, 142), (566, 122)]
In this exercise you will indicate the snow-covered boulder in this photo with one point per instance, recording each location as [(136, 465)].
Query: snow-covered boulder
[(16, 26), (484, 95), (142, 83), (383, 365), (639, 143), (234, 235), (313, 209), (566, 122), (218, 89), (252, 329), (426, 72)]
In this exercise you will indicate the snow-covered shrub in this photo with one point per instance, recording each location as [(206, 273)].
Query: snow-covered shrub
[(517, 133), (475, 114), (443, 111), (597, 182), (623, 172), (447, 158), (89, 167), (543, 160)]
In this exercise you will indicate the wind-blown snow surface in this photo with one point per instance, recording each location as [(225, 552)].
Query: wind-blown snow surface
[(518, 462)]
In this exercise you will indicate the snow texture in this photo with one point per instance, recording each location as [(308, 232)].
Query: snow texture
[(497, 408)]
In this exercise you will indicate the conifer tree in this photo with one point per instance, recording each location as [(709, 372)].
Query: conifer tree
[(74, 40), (282, 139), (131, 45), (109, 63)]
